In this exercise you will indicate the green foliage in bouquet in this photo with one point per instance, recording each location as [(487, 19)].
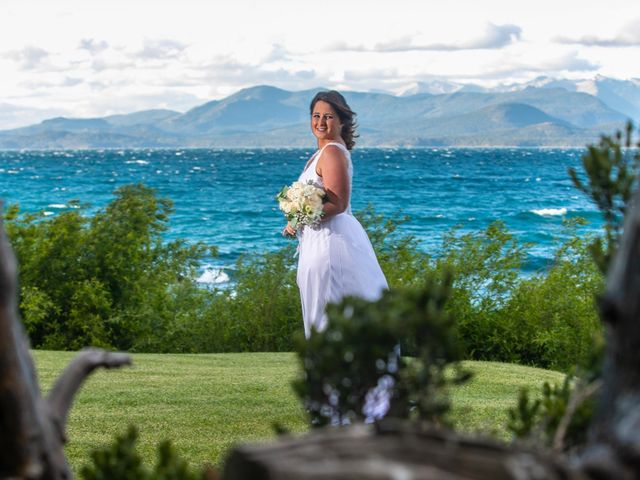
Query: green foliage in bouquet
[(121, 461), (353, 370)]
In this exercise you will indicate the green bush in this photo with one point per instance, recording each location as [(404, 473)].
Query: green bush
[(485, 267), (556, 310), (353, 370), (121, 461), (548, 319), (538, 420), (107, 280), (261, 313), (111, 281), (613, 174)]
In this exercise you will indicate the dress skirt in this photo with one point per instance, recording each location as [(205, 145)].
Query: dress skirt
[(335, 260)]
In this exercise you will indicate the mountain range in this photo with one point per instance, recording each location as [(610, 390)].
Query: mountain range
[(543, 112)]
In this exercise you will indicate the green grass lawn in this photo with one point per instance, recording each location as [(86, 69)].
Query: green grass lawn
[(206, 403)]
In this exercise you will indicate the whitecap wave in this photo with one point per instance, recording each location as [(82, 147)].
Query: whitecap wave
[(138, 162), (212, 276), (57, 205), (550, 212)]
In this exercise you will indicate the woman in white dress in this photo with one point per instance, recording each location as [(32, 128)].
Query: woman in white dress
[(336, 258)]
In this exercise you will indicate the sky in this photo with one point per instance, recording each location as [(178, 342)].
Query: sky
[(89, 58)]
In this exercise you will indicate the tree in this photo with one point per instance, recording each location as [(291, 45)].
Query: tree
[(107, 280)]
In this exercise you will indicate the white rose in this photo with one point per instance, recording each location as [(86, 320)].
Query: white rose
[(315, 202)]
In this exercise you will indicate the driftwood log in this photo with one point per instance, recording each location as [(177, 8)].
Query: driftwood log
[(389, 450), (397, 450), (32, 428)]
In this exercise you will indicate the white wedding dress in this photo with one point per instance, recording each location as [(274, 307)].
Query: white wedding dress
[(335, 259)]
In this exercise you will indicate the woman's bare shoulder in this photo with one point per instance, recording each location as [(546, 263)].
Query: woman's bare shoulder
[(333, 159), (333, 153)]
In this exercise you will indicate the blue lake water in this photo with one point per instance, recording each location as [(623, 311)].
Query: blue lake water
[(226, 197)]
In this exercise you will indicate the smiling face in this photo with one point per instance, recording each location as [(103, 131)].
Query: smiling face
[(325, 123)]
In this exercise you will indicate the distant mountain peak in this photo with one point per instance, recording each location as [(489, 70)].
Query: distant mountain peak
[(545, 111), (432, 87), (259, 92)]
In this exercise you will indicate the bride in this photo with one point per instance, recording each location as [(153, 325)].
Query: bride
[(336, 258)]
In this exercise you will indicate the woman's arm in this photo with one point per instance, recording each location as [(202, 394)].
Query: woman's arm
[(333, 167)]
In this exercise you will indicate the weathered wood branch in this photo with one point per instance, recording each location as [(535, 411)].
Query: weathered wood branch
[(620, 312), (615, 433), (20, 407), (32, 427), (61, 396), (390, 450), (580, 394)]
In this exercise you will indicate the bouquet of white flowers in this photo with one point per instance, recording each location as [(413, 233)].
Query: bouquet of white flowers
[(302, 203)]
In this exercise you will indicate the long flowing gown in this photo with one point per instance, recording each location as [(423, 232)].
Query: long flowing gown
[(335, 258)]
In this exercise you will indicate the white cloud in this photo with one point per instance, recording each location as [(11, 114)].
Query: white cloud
[(518, 68), (92, 45), (13, 116), (161, 49), (485, 72), (493, 37), (569, 62), (226, 70), (89, 58), (29, 57), (278, 53), (628, 36)]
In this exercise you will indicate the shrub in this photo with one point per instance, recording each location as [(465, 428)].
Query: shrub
[(556, 310), (121, 461), (485, 266), (111, 280), (261, 312), (108, 280), (538, 420), (353, 370)]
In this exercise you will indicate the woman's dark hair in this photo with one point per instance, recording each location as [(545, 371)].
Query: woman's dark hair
[(346, 115)]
